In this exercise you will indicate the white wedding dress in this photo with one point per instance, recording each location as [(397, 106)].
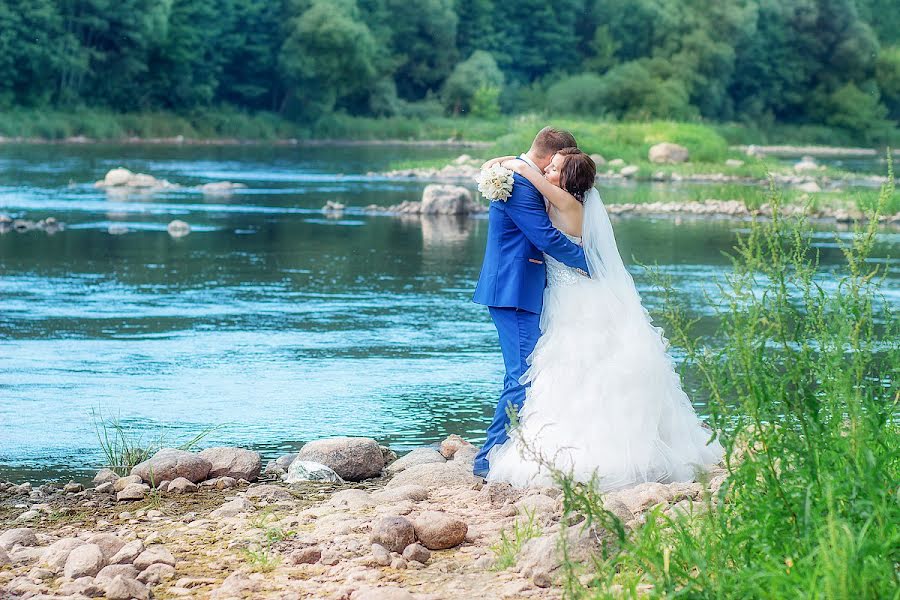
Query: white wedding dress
[(604, 398)]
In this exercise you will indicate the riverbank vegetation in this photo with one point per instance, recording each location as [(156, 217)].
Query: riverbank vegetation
[(803, 393), (823, 70)]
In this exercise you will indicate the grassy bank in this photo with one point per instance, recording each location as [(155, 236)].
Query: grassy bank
[(803, 391), (623, 139)]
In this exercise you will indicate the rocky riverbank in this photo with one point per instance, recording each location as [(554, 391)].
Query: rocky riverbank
[(343, 519)]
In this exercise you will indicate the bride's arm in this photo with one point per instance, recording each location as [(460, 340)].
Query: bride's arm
[(557, 196), (494, 161)]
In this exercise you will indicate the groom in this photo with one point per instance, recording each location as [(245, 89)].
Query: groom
[(513, 277)]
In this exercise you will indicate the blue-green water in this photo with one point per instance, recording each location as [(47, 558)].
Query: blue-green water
[(270, 320)]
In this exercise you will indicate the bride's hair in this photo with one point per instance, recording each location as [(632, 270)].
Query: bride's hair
[(578, 172)]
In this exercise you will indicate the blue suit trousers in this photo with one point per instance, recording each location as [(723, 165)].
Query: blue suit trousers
[(519, 331)]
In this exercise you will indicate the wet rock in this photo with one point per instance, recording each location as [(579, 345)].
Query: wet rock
[(305, 470), (126, 555), (84, 561), (353, 459), (410, 492), (447, 200), (417, 552), (178, 228), (394, 533), (668, 153), (220, 188), (108, 543), (180, 485), (439, 531), (233, 462), (333, 207), (451, 444), (73, 488), (21, 536), (269, 493), (419, 456), (232, 508), (169, 464), (435, 475), (388, 454), (121, 178), (122, 482), (133, 491), (154, 555), (121, 588), (279, 466), (305, 556), (156, 573)]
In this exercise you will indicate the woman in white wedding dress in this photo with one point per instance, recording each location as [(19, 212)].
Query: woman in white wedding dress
[(604, 399)]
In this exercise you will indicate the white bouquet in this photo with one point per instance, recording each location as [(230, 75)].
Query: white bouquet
[(495, 182)]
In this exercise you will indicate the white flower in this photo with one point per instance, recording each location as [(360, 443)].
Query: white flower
[(495, 182)]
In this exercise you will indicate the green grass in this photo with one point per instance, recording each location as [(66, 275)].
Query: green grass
[(506, 550), (123, 448), (802, 381)]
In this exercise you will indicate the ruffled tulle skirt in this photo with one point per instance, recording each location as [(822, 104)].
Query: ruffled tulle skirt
[(604, 399)]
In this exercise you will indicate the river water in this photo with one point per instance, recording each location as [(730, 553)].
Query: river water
[(271, 322)]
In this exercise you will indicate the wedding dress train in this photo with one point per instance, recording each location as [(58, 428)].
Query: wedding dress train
[(604, 398)]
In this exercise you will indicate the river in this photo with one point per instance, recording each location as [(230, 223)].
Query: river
[(271, 322)]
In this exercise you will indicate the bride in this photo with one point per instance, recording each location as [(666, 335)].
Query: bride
[(604, 399)]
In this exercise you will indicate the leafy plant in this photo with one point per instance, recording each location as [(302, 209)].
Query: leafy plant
[(509, 545)]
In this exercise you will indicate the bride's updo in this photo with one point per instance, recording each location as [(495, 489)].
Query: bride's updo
[(578, 172)]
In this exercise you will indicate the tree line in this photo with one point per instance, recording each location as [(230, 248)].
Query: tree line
[(833, 62)]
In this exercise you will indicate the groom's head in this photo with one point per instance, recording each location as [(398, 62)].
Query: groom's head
[(548, 142)]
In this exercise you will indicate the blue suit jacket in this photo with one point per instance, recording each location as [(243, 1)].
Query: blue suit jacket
[(519, 232)]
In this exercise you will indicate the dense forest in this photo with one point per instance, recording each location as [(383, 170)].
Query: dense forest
[(832, 62)]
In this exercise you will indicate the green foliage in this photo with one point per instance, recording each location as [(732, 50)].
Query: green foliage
[(802, 381), (765, 62), (479, 73), (506, 550), (326, 57)]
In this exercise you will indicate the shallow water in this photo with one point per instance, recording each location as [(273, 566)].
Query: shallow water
[(270, 321)]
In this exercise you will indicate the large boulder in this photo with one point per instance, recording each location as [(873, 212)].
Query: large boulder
[(439, 531), (169, 464), (394, 533), (436, 475), (233, 462), (668, 153), (447, 200), (56, 553), (352, 458), (419, 456)]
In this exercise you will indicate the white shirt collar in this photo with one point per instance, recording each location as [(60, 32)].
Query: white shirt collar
[(527, 160)]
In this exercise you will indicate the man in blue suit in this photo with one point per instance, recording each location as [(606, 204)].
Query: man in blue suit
[(513, 277)]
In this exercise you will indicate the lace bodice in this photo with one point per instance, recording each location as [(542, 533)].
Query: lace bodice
[(559, 273)]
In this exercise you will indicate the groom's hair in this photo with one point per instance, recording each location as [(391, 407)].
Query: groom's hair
[(550, 140)]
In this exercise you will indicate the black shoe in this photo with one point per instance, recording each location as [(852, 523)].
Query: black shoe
[(482, 474)]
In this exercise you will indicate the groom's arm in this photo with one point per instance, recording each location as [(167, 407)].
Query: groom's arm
[(526, 209)]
